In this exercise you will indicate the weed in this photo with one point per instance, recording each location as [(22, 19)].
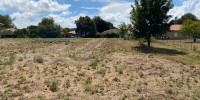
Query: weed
[(91, 89), (116, 79), (88, 81), (106, 80), (94, 63), (169, 91), (124, 97), (38, 59), (67, 83), (60, 96), (11, 60), (102, 71), (120, 71), (54, 86), (22, 79)]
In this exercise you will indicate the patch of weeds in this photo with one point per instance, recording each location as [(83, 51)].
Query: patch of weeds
[(116, 79), (54, 86), (120, 71), (88, 80), (60, 96), (22, 79), (141, 75), (5, 81), (11, 60), (124, 97), (91, 89), (21, 59), (106, 80), (196, 94), (67, 42), (94, 63), (169, 91), (102, 71), (78, 67), (39, 59), (196, 81), (67, 83), (20, 68), (152, 65), (40, 97)]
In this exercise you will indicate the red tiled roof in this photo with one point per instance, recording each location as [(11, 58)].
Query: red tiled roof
[(11, 29), (176, 27), (72, 32)]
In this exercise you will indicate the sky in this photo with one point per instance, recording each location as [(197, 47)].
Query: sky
[(65, 12)]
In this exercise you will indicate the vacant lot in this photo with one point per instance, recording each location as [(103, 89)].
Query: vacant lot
[(96, 69)]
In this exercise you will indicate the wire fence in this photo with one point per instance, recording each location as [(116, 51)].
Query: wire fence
[(188, 44)]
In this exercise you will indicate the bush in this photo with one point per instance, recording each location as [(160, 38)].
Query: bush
[(38, 59), (102, 71), (54, 86), (91, 89)]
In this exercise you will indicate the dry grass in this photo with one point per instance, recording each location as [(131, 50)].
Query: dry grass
[(96, 69)]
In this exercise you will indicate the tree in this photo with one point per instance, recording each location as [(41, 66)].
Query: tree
[(85, 27), (191, 28), (150, 17), (48, 29), (188, 16), (33, 31), (7, 21), (22, 33), (66, 30), (102, 25), (130, 27), (123, 29)]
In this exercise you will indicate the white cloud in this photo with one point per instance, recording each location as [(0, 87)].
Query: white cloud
[(28, 12), (116, 12), (66, 22), (189, 6)]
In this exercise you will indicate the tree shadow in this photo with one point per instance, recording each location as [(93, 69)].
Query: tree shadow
[(154, 50)]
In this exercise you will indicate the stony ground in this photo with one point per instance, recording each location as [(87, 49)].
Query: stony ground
[(93, 69)]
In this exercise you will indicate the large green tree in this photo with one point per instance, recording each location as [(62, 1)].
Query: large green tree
[(22, 33), (123, 29), (191, 28), (86, 27), (188, 16), (33, 31), (149, 17), (7, 21), (48, 29), (102, 25)]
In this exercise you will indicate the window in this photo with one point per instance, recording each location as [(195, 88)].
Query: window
[(175, 34)]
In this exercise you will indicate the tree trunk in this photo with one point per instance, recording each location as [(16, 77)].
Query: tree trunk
[(195, 40), (149, 42)]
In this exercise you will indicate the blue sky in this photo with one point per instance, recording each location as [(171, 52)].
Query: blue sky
[(65, 12)]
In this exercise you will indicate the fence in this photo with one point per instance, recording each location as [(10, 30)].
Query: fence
[(188, 44)]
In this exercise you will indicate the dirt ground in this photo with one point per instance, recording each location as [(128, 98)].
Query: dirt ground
[(93, 69)]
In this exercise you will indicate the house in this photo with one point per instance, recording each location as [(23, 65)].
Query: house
[(1, 24), (8, 32), (117, 31), (73, 34), (174, 33)]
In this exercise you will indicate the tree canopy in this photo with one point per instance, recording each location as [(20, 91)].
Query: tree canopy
[(7, 21), (149, 17), (102, 25), (123, 29), (22, 33), (188, 16), (85, 27), (191, 28), (48, 29), (33, 31)]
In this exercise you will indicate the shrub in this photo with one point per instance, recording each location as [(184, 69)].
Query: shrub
[(54, 86), (38, 59), (102, 71), (67, 83), (11, 60), (91, 89), (21, 59), (94, 63), (88, 81)]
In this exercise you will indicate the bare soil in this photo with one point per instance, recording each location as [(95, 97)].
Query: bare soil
[(112, 69)]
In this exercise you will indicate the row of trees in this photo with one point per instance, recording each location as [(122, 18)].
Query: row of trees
[(88, 27)]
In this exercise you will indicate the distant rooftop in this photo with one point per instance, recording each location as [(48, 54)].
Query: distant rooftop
[(176, 27), (72, 32)]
